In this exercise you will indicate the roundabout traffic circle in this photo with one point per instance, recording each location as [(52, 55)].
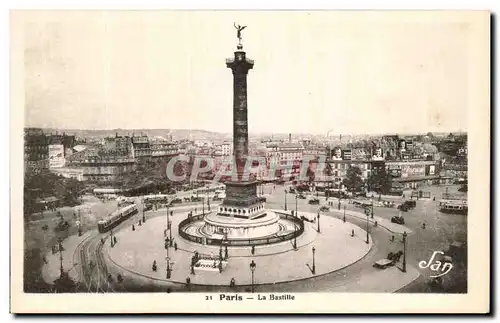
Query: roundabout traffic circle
[(334, 246)]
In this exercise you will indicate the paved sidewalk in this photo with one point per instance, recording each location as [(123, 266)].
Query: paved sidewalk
[(51, 270)]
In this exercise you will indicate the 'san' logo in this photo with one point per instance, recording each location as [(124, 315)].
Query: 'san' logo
[(442, 268)]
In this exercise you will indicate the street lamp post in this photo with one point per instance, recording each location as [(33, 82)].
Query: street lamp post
[(220, 259), (319, 229), (285, 199), (143, 216), (367, 229), (226, 254), (170, 238), (344, 213), (169, 227), (79, 224), (252, 269), (295, 236), (404, 251), (314, 262), (61, 269), (169, 270), (168, 257), (372, 207), (296, 205)]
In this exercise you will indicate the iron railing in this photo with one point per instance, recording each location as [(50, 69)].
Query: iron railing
[(241, 242)]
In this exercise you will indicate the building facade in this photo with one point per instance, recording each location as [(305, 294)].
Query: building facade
[(36, 150)]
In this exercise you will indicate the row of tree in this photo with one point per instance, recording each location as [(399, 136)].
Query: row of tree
[(379, 181), (45, 184)]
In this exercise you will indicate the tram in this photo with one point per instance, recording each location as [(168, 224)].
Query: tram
[(454, 208), (116, 218)]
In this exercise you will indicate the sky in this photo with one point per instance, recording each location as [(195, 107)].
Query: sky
[(316, 72)]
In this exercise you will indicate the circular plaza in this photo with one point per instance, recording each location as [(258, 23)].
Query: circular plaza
[(322, 246)]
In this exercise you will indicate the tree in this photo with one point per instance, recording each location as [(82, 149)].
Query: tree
[(311, 170), (328, 171), (353, 181), (380, 181), (429, 148)]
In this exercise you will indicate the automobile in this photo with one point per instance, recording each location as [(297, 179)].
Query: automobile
[(301, 196), (324, 208), (314, 201), (216, 198), (388, 204), (395, 256), (175, 201), (45, 227), (407, 205), (383, 263), (403, 207), (398, 220), (411, 204)]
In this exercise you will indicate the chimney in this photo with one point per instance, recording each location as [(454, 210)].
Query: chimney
[(290, 137)]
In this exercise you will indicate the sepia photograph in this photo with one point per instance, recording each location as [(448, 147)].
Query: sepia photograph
[(223, 159)]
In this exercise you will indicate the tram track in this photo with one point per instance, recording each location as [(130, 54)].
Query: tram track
[(93, 273)]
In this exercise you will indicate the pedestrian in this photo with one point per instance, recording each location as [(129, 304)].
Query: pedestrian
[(133, 227), (114, 239), (392, 238), (352, 233), (175, 246), (253, 250), (423, 225)]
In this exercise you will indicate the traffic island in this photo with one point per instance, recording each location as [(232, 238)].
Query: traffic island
[(334, 248)]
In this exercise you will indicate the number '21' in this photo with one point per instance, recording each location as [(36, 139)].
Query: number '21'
[(208, 298)]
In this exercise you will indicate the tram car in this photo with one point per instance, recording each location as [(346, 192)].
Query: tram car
[(453, 207), (116, 218)]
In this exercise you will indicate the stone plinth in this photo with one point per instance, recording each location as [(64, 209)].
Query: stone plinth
[(234, 228)]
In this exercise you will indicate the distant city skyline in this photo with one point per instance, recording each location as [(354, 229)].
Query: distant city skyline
[(314, 73), (281, 135)]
